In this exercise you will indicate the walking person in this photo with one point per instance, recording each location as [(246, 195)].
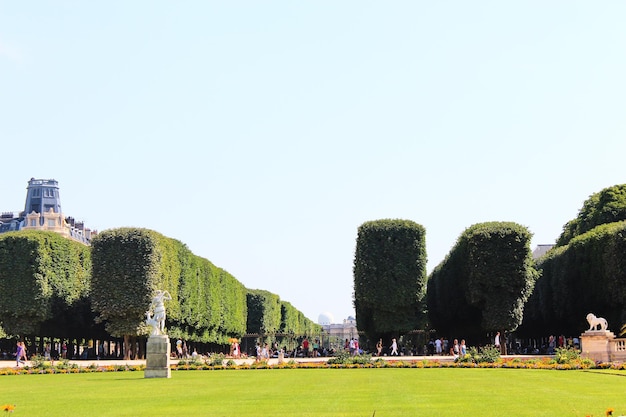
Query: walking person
[(394, 347), (20, 353), (379, 347)]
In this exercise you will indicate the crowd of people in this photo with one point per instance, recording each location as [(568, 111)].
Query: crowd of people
[(313, 348)]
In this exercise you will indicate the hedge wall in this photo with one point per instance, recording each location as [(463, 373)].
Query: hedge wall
[(42, 276), (588, 275), (208, 304), (264, 312), (484, 281)]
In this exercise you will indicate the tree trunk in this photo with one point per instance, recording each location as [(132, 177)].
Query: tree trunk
[(126, 347)]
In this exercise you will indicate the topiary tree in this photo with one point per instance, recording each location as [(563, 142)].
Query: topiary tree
[(390, 278), (208, 304), (129, 265), (42, 274), (483, 283)]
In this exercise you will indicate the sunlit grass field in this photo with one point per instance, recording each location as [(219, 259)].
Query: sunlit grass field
[(320, 392)]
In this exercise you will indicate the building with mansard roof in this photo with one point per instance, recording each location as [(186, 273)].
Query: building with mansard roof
[(42, 211)]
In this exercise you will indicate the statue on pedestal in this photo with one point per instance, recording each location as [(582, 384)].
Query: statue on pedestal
[(155, 316), (594, 322)]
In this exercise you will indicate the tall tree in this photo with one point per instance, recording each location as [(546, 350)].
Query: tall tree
[(264, 312), (586, 272), (42, 274), (390, 277), (492, 267), (127, 270), (606, 206)]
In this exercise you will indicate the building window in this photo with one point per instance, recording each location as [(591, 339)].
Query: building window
[(51, 223), (33, 222)]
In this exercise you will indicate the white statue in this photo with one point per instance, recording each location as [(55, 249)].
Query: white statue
[(157, 307), (594, 322)]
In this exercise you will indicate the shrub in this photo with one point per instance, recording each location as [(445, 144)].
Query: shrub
[(344, 358), (489, 354), (39, 362), (64, 364), (565, 355), (216, 359), (340, 358)]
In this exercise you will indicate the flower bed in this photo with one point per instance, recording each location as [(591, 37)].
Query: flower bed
[(512, 363)]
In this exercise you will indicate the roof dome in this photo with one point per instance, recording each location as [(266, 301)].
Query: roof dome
[(325, 319)]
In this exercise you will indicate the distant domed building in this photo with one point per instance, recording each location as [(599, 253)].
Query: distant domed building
[(42, 211), (338, 332), (325, 319)]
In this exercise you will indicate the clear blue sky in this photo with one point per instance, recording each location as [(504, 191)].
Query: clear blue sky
[(263, 134)]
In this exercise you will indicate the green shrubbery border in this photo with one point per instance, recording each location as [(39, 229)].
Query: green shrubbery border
[(566, 359)]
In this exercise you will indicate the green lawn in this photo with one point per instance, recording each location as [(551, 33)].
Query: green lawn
[(320, 392)]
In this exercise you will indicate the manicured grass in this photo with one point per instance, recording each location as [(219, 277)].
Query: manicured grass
[(320, 392)]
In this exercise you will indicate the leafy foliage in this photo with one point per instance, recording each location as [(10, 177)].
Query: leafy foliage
[(566, 354), (42, 274), (607, 206), (488, 354), (390, 277), (484, 354), (264, 312), (47, 288), (295, 322), (208, 305), (344, 358), (586, 275), (485, 279), (126, 272)]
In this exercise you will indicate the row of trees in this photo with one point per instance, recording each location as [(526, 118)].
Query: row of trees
[(489, 282), (55, 287), (586, 271)]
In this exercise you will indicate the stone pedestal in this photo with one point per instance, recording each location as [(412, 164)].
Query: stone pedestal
[(594, 344), (158, 357)]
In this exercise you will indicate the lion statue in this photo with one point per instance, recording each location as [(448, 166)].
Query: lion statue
[(594, 322)]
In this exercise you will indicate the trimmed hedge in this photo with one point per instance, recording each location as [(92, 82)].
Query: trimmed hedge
[(208, 304), (484, 281), (264, 312), (390, 277), (42, 274), (586, 275)]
